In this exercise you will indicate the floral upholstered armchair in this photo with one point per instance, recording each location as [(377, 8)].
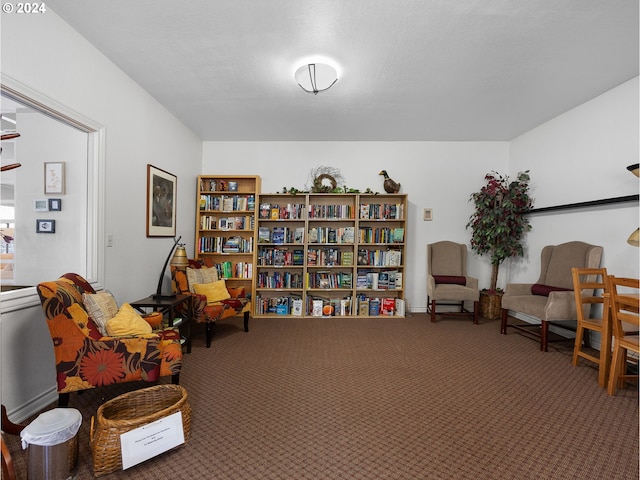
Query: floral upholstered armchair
[(87, 358), (211, 299)]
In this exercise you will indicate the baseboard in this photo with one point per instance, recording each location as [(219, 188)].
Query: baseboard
[(33, 406)]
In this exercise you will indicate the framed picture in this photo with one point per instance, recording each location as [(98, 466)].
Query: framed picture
[(45, 226), (55, 204), (161, 203), (54, 178), (41, 205)]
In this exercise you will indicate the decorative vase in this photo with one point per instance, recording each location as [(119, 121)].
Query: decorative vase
[(490, 305)]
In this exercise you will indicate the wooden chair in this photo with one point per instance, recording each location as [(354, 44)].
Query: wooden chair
[(589, 288), (624, 306), (8, 471), (447, 280)]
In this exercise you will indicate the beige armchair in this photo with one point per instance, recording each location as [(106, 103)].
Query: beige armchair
[(447, 280), (551, 299)]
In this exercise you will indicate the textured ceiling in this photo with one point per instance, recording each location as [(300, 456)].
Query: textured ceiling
[(409, 69)]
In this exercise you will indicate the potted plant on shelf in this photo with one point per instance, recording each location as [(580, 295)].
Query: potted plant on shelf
[(498, 226)]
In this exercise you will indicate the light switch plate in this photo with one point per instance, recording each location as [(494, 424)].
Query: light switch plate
[(427, 214)]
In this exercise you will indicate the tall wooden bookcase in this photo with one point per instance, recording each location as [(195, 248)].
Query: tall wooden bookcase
[(330, 255), (225, 225)]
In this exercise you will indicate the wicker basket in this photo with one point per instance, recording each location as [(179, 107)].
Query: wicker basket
[(127, 412), (490, 305)]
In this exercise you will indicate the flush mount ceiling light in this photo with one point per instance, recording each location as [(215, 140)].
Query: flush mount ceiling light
[(316, 77)]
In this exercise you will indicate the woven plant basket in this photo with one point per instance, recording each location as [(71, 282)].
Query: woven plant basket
[(127, 412), (490, 305)]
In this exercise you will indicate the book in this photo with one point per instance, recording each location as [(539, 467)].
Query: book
[(345, 307), (296, 309), (278, 235), (227, 203), (400, 307), (363, 307), (398, 281), (398, 235), (347, 258), (275, 212), (298, 235), (264, 235), (265, 211), (317, 308), (394, 258), (372, 280), (374, 307), (388, 306), (383, 280)]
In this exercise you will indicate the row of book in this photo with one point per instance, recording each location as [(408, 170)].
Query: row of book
[(280, 235), (234, 269), (376, 306), (385, 280), (362, 305), (280, 257), (279, 280), (331, 212), (290, 211), (381, 235), (217, 185), (385, 211), (332, 235), (379, 257), (211, 222), (330, 280), (329, 257), (233, 244), (228, 203)]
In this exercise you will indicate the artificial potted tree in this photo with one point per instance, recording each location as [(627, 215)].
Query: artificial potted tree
[(498, 226)]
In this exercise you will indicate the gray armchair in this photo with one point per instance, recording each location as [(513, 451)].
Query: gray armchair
[(447, 280), (551, 299)]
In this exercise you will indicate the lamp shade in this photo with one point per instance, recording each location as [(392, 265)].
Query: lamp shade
[(316, 77), (179, 258), (634, 238)]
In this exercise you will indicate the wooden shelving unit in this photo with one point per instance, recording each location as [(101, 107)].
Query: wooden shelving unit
[(330, 255), (225, 225)]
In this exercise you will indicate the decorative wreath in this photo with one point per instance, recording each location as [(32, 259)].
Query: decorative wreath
[(324, 183), (325, 179)]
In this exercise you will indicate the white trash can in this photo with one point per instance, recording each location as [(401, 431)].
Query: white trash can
[(52, 444)]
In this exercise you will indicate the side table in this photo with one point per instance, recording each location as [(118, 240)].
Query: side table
[(168, 307)]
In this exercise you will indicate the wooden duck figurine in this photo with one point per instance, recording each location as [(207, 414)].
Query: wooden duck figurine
[(390, 186)]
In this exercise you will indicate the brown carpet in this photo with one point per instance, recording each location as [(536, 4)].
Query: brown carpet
[(385, 398)]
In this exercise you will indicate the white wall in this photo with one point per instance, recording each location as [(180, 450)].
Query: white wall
[(58, 63), (437, 175), (580, 156)]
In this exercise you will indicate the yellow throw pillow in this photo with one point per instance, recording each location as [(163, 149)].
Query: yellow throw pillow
[(127, 322), (214, 291)]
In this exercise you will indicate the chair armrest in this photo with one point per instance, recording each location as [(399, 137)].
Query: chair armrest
[(431, 285), (472, 283), (514, 289), (561, 306)]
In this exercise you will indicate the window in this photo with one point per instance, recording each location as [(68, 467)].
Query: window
[(49, 134)]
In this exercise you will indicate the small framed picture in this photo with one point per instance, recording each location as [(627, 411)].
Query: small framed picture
[(45, 226), (41, 205), (54, 178), (55, 204)]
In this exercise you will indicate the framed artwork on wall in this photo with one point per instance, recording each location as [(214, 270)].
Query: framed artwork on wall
[(41, 205), (55, 204), (161, 203), (54, 178), (45, 226)]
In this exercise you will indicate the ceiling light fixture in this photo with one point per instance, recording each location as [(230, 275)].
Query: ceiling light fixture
[(316, 77)]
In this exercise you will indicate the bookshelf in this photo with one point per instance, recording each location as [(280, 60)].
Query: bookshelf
[(225, 225), (330, 255)]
